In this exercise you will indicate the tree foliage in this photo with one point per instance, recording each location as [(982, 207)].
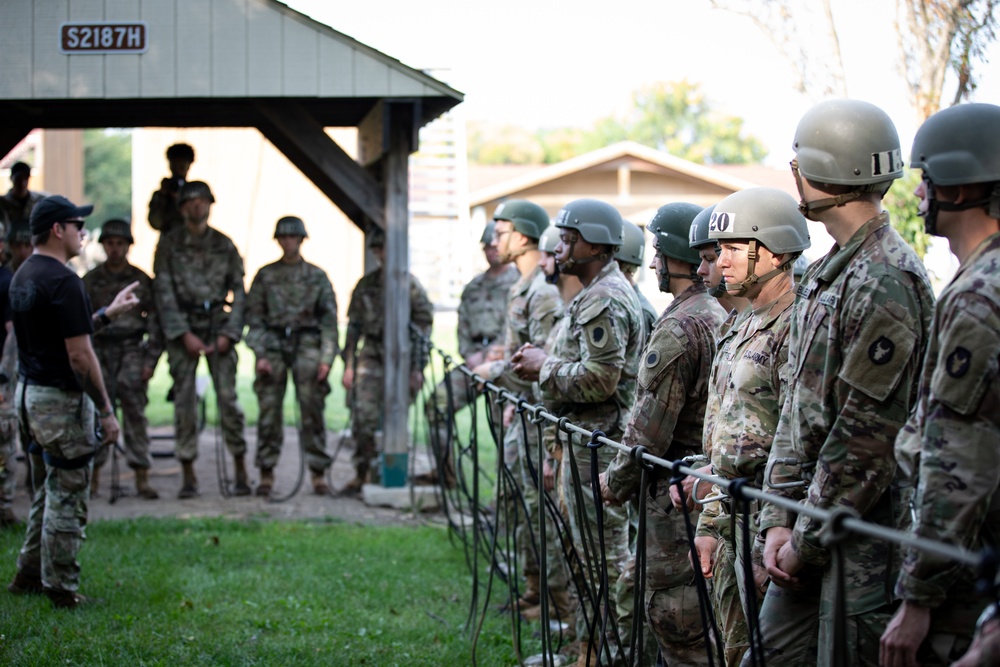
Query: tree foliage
[(107, 174), (903, 207), (676, 118)]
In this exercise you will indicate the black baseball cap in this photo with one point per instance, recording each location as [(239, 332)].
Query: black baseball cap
[(55, 209)]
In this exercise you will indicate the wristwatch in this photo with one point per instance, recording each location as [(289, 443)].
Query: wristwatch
[(102, 315)]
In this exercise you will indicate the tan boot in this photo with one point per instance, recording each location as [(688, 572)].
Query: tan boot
[(531, 595), (353, 487), (242, 485), (320, 487), (561, 608), (95, 483), (189, 486), (266, 482), (142, 486)]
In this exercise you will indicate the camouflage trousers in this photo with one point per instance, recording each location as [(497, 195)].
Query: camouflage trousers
[(121, 365), (303, 364), (222, 368), (366, 411), (672, 606), (61, 423), (8, 449), (625, 591), (582, 514), (729, 595)]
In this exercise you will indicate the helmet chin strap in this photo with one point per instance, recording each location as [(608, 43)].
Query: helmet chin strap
[(740, 288), (819, 205), (935, 205), (572, 261), (554, 278)]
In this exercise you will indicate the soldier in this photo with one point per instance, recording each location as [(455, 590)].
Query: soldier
[(60, 391), (630, 256), (17, 204), (708, 267), (363, 371), (128, 349), (18, 243), (949, 446), (8, 419), (589, 378), (858, 332), (292, 327), (760, 233), (164, 208), (532, 311), (667, 419), (197, 268), (482, 312), (569, 286)]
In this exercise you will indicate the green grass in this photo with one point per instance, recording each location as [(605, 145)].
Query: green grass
[(221, 592)]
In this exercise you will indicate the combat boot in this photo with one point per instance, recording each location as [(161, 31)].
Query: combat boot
[(266, 482), (353, 487), (320, 487), (561, 608), (531, 595), (142, 487), (25, 584), (189, 486), (242, 486)]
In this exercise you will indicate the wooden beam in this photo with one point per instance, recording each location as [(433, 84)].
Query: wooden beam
[(303, 140), (11, 137), (400, 119)]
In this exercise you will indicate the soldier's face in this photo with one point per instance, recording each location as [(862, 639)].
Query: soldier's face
[(195, 210), (492, 255), (733, 261), (179, 167), (290, 245), (72, 234), (547, 261), (19, 183), (504, 241), (116, 248), (709, 268)]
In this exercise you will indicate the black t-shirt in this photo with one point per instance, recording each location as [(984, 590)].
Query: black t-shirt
[(49, 304), (5, 276)]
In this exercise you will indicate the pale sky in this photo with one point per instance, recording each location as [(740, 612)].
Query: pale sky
[(549, 63)]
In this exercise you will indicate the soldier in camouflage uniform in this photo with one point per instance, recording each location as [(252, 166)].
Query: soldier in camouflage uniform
[(197, 268), (128, 349), (16, 206), (8, 420), (532, 311), (858, 332), (760, 232), (630, 257), (18, 243), (667, 419), (363, 370), (292, 328), (950, 447), (164, 208), (482, 312), (589, 378), (60, 392)]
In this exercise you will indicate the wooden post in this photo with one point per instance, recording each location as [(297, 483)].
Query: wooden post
[(395, 435)]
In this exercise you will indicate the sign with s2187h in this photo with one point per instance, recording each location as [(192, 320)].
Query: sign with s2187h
[(97, 37)]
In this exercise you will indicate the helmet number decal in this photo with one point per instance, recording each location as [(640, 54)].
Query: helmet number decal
[(720, 221), (886, 162)]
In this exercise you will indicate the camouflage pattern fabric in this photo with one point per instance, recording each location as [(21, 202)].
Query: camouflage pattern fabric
[(482, 310), (164, 214), (532, 312), (668, 419), (292, 323), (649, 314), (62, 424), (8, 450), (858, 333), (590, 378), (950, 446), (365, 325), (130, 343), (13, 211), (194, 277)]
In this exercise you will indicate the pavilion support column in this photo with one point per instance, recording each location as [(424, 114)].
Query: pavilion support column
[(395, 444)]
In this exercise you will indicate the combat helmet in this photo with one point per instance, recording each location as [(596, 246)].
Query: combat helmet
[(633, 247), (671, 230), (845, 142), (290, 226), (597, 222), (116, 228), (528, 218), (193, 189), (765, 217), (699, 229), (959, 145), (549, 239), (488, 232), (376, 237)]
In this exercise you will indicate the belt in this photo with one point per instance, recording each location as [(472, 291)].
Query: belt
[(58, 461), (119, 338), (31, 382), (288, 332), (206, 306)]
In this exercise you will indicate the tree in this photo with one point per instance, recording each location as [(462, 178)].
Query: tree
[(107, 174), (903, 209), (503, 144)]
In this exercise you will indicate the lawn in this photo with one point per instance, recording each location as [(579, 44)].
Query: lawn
[(221, 592)]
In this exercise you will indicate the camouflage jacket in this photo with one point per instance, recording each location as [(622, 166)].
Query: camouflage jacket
[(483, 310), (287, 302), (952, 439), (365, 319), (164, 215), (194, 277), (649, 314), (591, 373), (748, 387), (102, 286), (858, 332), (669, 410), (14, 211)]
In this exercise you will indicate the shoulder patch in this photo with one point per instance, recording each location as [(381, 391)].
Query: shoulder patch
[(598, 334), (967, 363), (666, 344), (876, 359)]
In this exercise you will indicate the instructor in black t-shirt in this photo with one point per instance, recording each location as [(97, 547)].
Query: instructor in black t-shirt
[(60, 386)]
